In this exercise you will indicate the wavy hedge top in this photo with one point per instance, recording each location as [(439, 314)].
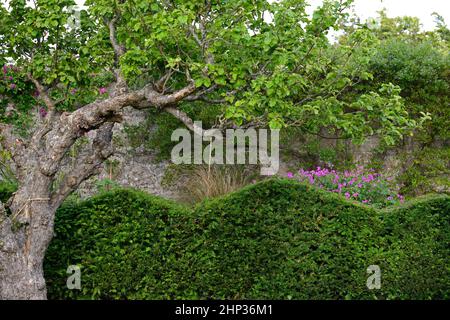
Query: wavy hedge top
[(277, 239)]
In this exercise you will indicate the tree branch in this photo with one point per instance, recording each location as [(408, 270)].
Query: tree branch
[(203, 42), (160, 100), (160, 85), (12, 143), (183, 117), (86, 164), (200, 94), (69, 127), (119, 50), (43, 95)]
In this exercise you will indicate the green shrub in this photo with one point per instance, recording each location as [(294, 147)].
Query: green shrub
[(281, 240), (121, 241), (277, 239)]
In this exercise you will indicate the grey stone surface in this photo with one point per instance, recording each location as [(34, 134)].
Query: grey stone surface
[(135, 168), (138, 167)]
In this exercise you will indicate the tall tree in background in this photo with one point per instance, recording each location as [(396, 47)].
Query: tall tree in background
[(263, 63), (419, 63)]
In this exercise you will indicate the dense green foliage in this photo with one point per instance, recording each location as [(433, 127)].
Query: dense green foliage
[(277, 239), (265, 62), (416, 61), (419, 63), (122, 241)]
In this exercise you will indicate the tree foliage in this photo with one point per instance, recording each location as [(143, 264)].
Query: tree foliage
[(264, 63)]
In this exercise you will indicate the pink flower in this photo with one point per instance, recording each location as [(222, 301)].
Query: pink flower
[(290, 175), (365, 201), (355, 195), (42, 112), (102, 90), (12, 86), (347, 195)]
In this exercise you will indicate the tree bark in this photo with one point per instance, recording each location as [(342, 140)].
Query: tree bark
[(24, 237), (26, 232)]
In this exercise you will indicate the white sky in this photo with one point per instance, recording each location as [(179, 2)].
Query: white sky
[(416, 8)]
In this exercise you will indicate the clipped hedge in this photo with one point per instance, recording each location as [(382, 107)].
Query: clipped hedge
[(278, 239), (120, 239), (282, 240)]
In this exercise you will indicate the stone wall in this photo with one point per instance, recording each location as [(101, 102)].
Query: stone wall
[(139, 168), (135, 168)]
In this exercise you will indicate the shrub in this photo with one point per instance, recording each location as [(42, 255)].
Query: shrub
[(278, 239), (282, 239), (121, 241)]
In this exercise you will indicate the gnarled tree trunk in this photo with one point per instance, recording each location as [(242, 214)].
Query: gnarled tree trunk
[(26, 232), (44, 181), (24, 237)]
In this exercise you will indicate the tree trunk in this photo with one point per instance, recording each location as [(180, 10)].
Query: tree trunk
[(26, 233), (24, 237)]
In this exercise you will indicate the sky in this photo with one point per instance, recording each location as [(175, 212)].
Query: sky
[(416, 8)]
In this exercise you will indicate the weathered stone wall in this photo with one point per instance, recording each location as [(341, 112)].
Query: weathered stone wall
[(133, 167), (139, 168)]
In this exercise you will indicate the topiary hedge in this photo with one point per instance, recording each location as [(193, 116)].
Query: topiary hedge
[(281, 240), (122, 242), (277, 239)]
